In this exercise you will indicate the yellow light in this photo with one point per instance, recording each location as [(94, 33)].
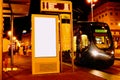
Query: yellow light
[(95, 0), (88, 1), (14, 38), (118, 24), (9, 33), (97, 73), (10, 69), (92, 1)]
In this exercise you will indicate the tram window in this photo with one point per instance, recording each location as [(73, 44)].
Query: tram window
[(102, 42), (102, 37), (84, 41)]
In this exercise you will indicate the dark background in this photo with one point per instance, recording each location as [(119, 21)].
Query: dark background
[(81, 9)]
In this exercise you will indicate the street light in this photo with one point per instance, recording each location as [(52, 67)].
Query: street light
[(24, 31), (92, 5), (9, 33), (14, 38)]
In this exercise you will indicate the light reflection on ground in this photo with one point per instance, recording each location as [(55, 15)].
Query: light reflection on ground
[(10, 69), (105, 75), (112, 73)]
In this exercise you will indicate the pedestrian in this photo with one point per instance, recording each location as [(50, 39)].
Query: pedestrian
[(24, 50), (21, 50), (6, 44)]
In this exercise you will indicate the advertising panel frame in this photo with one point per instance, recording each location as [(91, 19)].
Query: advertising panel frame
[(45, 64)]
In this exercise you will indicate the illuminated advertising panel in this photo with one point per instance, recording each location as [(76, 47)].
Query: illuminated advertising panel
[(45, 44), (45, 37)]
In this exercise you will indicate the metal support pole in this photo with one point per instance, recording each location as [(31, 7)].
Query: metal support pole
[(61, 68), (11, 40), (1, 32), (72, 51)]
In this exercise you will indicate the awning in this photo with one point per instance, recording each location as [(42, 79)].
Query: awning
[(17, 8)]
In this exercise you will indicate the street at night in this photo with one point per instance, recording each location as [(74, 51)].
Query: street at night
[(23, 71), (60, 40)]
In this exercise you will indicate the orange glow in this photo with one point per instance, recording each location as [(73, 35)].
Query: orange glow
[(9, 33), (14, 38), (118, 24), (10, 69), (92, 1)]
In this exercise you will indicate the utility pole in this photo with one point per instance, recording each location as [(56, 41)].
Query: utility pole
[(91, 10), (1, 33)]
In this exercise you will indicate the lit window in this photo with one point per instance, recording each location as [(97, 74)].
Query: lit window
[(118, 24)]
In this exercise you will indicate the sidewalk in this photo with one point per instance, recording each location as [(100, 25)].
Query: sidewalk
[(117, 54), (24, 72)]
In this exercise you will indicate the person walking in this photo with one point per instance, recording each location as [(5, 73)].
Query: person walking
[(6, 45)]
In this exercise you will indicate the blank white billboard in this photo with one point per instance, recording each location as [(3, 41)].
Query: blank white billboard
[(45, 36)]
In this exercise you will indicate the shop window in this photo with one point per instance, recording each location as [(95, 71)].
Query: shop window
[(105, 14), (102, 15), (112, 33), (117, 33), (99, 17), (111, 23), (116, 14), (111, 13)]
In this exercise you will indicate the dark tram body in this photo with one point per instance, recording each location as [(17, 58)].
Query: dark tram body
[(94, 44)]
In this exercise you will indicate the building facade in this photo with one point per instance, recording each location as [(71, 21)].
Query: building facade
[(109, 13)]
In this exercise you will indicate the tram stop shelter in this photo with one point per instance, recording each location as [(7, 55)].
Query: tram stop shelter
[(11, 9)]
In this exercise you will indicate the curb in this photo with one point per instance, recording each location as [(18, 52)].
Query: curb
[(117, 58)]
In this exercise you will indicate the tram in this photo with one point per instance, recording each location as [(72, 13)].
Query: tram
[(94, 44)]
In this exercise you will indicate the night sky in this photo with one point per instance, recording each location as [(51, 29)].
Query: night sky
[(81, 9)]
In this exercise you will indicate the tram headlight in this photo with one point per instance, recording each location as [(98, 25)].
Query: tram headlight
[(112, 52), (95, 53), (102, 54)]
